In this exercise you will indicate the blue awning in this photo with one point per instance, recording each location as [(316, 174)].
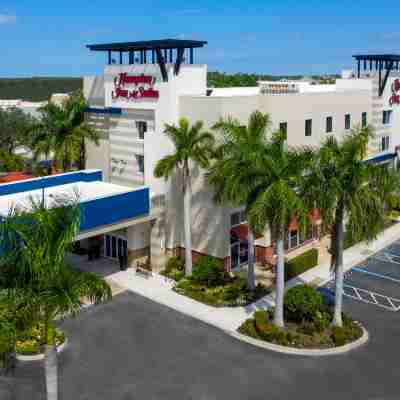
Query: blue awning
[(382, 158), (108, 110)]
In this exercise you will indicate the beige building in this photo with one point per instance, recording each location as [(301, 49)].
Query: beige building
[(131, 102)]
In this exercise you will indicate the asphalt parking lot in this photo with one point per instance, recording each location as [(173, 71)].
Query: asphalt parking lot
[(133, 348), (376, 281)]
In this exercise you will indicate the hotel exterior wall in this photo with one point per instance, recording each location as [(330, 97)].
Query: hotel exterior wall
[(296, 108), (210, 222)]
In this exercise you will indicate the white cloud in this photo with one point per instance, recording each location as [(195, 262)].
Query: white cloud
[(7, 19)]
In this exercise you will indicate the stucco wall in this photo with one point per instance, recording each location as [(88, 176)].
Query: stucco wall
[(296, 108)]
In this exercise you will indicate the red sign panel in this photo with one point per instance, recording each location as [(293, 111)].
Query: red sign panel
[(395, 98), (139, 87)]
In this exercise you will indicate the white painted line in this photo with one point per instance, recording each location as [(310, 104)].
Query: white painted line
[(356, 295)]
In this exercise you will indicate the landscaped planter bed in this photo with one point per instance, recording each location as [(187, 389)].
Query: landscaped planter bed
[(308, 323), (30, 345), (231, 293), (210, 285), (300, 335)]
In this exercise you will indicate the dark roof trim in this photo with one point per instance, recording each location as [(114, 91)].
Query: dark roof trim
[(148, 45), (377, 57)]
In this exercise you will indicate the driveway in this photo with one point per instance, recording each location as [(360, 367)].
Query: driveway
[(133, 348)]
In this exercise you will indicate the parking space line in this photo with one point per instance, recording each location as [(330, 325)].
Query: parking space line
[(365, 271), (372, 298), (394, 258)]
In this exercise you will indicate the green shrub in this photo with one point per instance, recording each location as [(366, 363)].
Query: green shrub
[(348, 240), (339, 336), (320, 322), (272, 333), (28, 347), (301, 263), (208, 270), (231, 293), (248, 328), (175, 264), (393, 202), (302, 302), (261, 320)]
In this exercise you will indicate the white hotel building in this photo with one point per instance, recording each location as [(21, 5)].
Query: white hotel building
[(153, 83)]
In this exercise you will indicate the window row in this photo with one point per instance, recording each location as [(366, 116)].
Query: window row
[(283, 126)]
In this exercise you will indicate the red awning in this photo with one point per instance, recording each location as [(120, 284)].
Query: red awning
[(314, 216), (14, 177), (292, 224), (242, 232)]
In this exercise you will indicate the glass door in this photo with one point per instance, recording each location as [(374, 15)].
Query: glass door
[(115, 246)]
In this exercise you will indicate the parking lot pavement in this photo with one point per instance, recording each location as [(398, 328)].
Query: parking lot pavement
[(376, 281), (133, 348)]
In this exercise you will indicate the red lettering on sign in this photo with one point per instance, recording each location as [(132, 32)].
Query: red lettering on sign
[(143, 87), (395, 98)]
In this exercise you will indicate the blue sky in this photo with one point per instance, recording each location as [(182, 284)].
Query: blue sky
[(48, 37)]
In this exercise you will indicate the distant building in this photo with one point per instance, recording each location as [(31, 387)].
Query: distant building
[(28, 107)]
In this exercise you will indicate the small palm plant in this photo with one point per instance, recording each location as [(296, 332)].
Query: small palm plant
[(34, 242), (346, 187), (193, 145), (231, 173)]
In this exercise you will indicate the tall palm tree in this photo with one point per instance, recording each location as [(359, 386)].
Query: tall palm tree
[(62, 131), (231, 172), (276, 200), (193, 145), (346, 187), (34, 244)]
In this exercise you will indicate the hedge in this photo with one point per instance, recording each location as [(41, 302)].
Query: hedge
[(301, 263)]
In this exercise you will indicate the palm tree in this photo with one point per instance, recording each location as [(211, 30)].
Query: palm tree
[(346, 187), (62, 131), (193, 145), (276, 200), (34, 244), (231, 173)]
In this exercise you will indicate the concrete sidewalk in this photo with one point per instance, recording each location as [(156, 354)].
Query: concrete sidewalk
[(159, 288)]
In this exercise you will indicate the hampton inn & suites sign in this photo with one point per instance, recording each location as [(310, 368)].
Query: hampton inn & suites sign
[(134, 87)]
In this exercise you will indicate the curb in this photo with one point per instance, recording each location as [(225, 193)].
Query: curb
[(302, 352), (39, 357)]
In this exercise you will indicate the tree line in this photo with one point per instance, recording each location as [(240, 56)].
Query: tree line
[(37, 88)]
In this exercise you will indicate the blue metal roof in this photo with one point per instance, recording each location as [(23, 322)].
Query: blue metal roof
[(382, 158)]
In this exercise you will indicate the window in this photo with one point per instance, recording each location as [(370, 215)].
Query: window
[(308, 127), (347, 122), (385, 143), (142, 128), (140, 161), (283, 128), (364, 120), (238, 218), (329, 124), (387, 117)]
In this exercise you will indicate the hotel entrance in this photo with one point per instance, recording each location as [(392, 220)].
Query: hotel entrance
[(115, 247)]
